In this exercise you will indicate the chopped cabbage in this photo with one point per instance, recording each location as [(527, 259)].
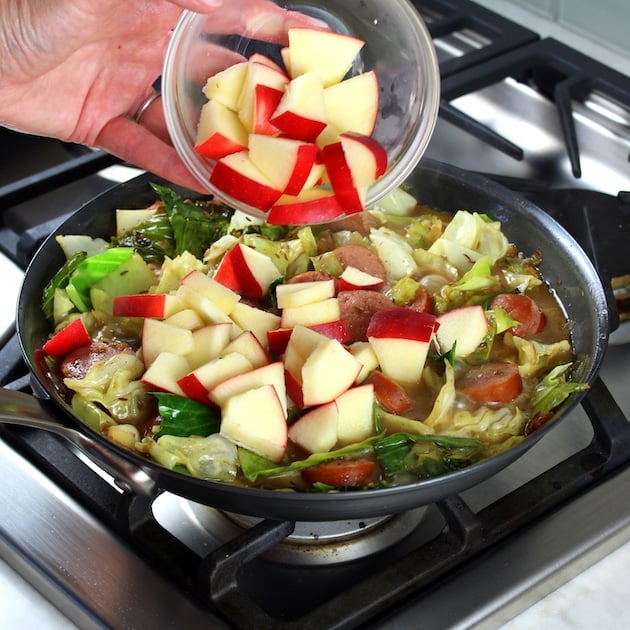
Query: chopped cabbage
[(404, 290), (173, 270), (289, 256), (212, 457), (398, 202), (487, 424), (521, 282), (215, 252), (114, 384), (472, 288), (468, 237), (72, 244), (395, 253), (535, 358)]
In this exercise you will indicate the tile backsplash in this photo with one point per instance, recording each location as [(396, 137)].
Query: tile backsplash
[(606, 23)]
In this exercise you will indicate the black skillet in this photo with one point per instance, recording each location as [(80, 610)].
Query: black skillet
[(565, 266)]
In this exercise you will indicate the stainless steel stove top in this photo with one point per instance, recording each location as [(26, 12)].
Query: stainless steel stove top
[(93, 573)]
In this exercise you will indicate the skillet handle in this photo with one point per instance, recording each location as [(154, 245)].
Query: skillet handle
[(18, 408)]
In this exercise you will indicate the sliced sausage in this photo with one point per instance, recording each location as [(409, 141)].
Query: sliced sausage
[(524, 310), (496, 382), (362, 258), (389, 393), (422, 301), (79, 361), (361, 222), (356, 310), (311, 276), (342, 473)]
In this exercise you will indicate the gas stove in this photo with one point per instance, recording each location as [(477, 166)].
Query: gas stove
[(530, 112)]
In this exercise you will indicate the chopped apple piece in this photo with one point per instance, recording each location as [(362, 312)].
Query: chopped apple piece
[(270, 374), (300, 113), (159, 337), (165, 371), (220, 132), (266, 61), (226, 86), (356, 414), (159, 305), (351, 197), (462, 328), (314, 205), (301, 293), (251, 270), (327, 372), (363, 351), (286, 162), (255, 420), (316, 430), (186, 318), (199, 382), (366, 158), (400, 338), (352, 105), (311, 314), (206, 308), (209, 342), (256, 320), (353, 278), (262, 90), (248, 345), (329, 54), (237, 176), (217, 293)]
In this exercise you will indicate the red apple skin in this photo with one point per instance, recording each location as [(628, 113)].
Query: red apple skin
[(278, 339), (307, 154), (233, 268), (306, 208), (286, 162), (226, 273), (266, 100), (398, 322), (217, 146), (72, 336), (140, 305), (299, 127), (340, 177), (294, 389), (192, 387), (335, 330), (375, 147), (234, 183)]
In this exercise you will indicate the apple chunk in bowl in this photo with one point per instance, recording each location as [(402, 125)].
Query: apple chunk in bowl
[(309, 126)]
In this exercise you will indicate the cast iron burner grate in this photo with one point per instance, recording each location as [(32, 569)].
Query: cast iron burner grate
[(560, 73), (488, 34)]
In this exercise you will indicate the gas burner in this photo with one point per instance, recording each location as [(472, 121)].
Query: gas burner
[(201, 527)]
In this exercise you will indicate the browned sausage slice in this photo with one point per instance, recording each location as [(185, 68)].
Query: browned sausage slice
[(356, 310), (362, 258), (497, 382), (78, 362)]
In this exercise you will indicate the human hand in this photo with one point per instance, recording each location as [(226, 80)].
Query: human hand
[(80, 70)]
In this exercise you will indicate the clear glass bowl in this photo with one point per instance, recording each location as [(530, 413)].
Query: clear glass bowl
[(397, 46)]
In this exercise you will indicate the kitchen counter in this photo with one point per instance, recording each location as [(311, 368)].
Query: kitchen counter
[(597, 598)]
